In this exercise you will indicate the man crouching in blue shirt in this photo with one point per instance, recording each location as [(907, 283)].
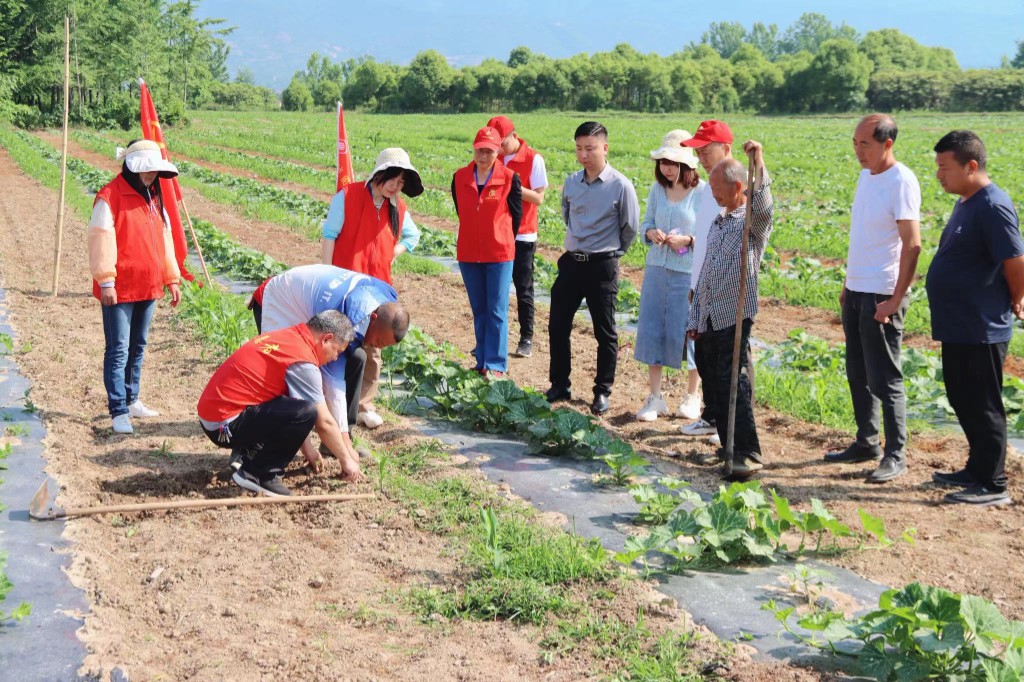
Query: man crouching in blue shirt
[(975, 286)]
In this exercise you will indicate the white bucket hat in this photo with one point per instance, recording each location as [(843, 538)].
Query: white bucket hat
[(671, 148), (144, 157), (396, 157)]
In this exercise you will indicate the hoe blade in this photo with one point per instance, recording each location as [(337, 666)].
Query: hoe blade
[(43, 506)]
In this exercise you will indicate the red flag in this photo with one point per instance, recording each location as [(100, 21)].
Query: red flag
[(345, 174), (168, 188)]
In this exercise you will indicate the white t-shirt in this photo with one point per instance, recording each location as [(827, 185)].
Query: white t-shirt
[(538, 180), (706, 214), (873, 260)]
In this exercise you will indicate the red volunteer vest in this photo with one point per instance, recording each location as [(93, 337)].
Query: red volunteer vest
[(255, 373), (366, 243), (139, 230), (522, 163), (485, 225)]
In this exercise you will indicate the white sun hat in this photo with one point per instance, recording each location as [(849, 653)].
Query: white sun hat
[(671, 148), (144, 157), (396, 157)]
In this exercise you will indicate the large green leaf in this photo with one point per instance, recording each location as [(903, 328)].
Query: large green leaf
[(875, 662), (503, 393), (984, 620)]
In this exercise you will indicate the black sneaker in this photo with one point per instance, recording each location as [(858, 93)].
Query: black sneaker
[(890, 468), (600, 404), (981, 495), (955, 479), (524, 349), (268, 484), (855, 454)]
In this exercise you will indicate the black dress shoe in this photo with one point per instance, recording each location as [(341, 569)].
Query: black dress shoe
[(556, 393), (855, 454), (600, 404), (890, 468)]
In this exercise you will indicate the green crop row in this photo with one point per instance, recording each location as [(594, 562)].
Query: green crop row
[(805, 376)]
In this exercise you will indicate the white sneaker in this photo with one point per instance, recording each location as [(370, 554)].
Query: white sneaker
[(122, 424), (715, 440), (690, 407), (138, 410), (370, 420), (653, 406), (698, 428)]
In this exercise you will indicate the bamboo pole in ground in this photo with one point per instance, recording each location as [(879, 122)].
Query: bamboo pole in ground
[(63, 156), (195, 240)]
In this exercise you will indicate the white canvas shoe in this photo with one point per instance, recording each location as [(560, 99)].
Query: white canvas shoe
[(690, 407), (122, 424), (698, 428), (653, 406), (138, 410), (715, 439), (370, 420)]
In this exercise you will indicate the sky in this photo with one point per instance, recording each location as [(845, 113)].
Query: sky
[(274, 38)]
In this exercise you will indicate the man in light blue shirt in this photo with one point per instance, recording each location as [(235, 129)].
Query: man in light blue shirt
[(370, 304)]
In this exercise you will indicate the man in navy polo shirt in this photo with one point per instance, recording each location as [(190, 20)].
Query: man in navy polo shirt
[(975, 287)]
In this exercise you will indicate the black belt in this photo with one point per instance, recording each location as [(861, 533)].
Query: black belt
[(584, 257)]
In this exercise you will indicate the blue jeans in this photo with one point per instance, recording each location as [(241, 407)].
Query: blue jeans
[(125, 328), (487, 285)]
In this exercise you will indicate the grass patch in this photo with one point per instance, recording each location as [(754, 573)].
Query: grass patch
[(521, 571), (407, 263)]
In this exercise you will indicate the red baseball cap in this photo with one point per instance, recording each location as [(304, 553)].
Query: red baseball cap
[(503, 125), (487, 138), (707, 132)]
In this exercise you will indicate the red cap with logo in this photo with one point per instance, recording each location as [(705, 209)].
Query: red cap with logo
[(503, 125), (707, 132), (487, 138)]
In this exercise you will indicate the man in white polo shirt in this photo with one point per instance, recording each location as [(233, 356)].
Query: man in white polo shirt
[(885, 241)]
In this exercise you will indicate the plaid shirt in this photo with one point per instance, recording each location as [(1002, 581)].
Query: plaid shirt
[(718, 288)]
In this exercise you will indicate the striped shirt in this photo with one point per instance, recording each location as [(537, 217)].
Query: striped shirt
[(718, 289)]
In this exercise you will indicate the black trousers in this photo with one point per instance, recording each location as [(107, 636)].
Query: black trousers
[(873, 371), (355, 366), (973, 373), (706, 373), (717, 354), (268, 435), (257, 314), (597, 281), (522, 278)]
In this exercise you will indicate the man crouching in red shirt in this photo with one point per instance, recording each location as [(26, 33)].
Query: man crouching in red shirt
[(266, 398)]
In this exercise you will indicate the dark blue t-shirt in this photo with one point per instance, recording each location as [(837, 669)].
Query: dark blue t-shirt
[(967, 292)]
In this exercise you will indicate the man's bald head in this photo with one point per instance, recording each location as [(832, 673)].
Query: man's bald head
[(882, 127), (389, 325), (728, 182)]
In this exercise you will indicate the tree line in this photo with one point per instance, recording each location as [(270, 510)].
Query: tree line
[(812, 66), (113, 42)]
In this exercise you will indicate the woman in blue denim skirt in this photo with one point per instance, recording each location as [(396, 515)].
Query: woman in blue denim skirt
[(667, 230)]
